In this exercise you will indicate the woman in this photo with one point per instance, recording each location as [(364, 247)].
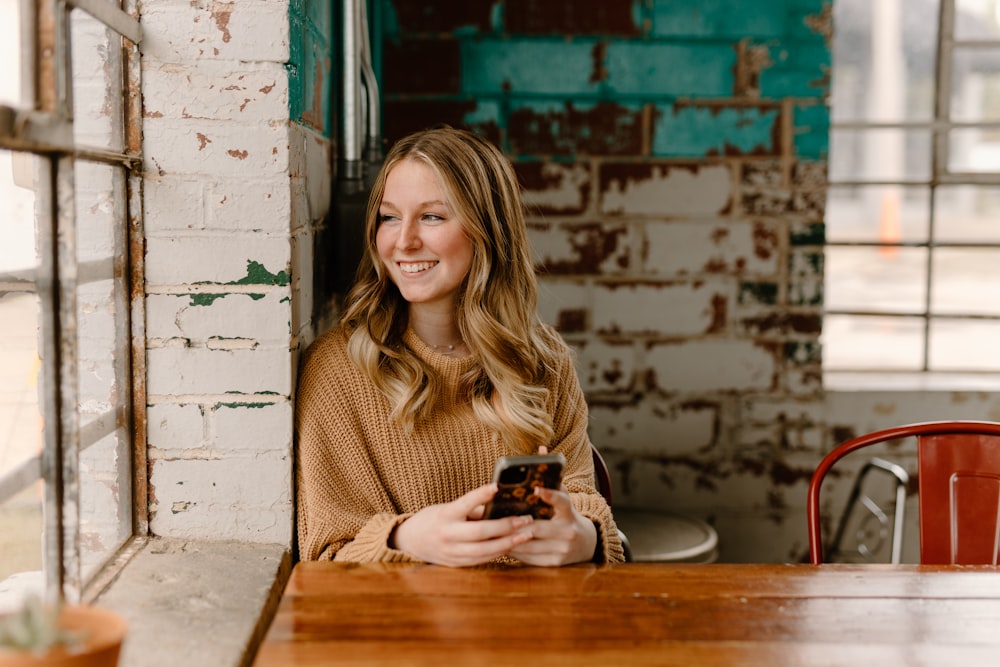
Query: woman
[(439, 366)]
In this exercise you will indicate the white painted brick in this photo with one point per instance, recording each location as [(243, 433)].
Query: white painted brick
[(249, 205), (303, 269), (718, 246), (563, 296), (173, 203), (172, 427), (664, 309), (248, 30), (260, 317), (586, 248), (605, 367), (179, 260), (196, 371), (772, 409), (314, 163), (654, 427), (672, 192), (253, 92), (565, 191), (236, 498), (258, 427), (872, 410), (711, 365), (188, 147)]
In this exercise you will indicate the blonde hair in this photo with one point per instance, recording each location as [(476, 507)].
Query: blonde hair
[(514, 352)]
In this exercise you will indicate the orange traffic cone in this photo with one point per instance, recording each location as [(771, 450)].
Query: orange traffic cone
[(889, 229)]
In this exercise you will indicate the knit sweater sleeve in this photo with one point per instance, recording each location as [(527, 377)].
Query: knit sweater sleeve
[(570, 420), (343, 509)]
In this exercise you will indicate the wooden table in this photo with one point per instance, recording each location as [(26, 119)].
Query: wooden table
[(637, 614)]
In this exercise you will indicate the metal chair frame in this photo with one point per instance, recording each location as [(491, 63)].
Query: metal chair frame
[(900, 478), (953, 457)]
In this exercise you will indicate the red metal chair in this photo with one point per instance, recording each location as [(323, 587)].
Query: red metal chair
[(958, 474)]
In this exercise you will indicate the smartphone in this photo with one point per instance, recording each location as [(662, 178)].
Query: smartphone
[(516, 478)]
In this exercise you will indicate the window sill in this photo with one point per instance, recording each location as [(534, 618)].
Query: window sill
[(196, 603), (908, 381)]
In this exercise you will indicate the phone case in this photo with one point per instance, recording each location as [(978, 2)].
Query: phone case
[(516, 478)]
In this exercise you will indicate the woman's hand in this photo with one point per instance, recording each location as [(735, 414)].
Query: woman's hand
[(568, 537), (451, 534)]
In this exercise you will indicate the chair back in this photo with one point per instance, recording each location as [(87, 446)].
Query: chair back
[(601, 475), (958, 473)]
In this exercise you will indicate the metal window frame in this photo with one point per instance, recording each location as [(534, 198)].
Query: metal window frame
[(939, 126), (45, 129)]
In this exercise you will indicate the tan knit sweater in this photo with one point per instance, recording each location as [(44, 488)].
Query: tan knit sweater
[(359, 475)]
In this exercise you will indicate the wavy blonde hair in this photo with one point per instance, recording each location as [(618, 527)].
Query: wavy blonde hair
[(514, 351)]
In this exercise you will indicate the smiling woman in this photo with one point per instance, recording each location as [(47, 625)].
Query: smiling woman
[(440, 366)]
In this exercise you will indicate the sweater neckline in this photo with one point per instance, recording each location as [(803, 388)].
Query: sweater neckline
[(434, 357)]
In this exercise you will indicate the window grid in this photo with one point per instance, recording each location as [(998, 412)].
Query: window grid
[(939, 126), (44, 127)]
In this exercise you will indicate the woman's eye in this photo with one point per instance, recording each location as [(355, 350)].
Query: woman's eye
[(384, 218), (433, 217)]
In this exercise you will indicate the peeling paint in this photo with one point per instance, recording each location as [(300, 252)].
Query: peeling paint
[(822, 23), (221, 13)]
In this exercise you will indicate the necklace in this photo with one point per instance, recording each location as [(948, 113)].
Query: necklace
[(450, 347)]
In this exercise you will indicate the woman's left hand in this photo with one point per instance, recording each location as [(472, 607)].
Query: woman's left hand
[(568, 537)]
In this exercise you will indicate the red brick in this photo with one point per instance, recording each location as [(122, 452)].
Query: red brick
[(443, 16), (571, 17), (422, 66), (604, 129)]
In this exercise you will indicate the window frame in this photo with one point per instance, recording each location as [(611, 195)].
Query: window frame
[(939, 126), (43, 127)]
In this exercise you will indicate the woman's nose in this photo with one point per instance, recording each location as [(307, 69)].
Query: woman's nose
[(409, 235)]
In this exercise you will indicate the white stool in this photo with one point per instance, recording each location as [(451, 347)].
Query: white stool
[(664, 537)]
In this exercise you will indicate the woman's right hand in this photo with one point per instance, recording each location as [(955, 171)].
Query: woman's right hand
[(452, 534)]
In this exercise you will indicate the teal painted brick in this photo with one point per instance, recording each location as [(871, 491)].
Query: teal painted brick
[(799, 69), (528, 66), (656, 68), (311, 60), (294, 66), (485, 112), (698, 132), (812, 131), (719, 18)]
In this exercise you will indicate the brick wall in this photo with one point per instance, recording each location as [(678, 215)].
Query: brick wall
[(673, 153), (233, 190)]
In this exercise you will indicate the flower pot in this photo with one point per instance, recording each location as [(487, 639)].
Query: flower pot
[(103, 632)]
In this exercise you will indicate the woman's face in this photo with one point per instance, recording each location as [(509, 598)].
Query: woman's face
[(420, 239)]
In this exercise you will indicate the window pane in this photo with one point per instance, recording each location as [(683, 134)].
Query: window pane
[(976, 19), (20, 439), (892, 81), (97, 83), (103, 338), (876, 279), (970, 150), (880, 155), (880, 213), (10, 53), (867, 343), (965, 345), (961, 284), (967, 213), (975, 82)]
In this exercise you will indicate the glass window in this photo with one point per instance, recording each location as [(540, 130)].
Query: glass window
[(68, 200), (914, 199)]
